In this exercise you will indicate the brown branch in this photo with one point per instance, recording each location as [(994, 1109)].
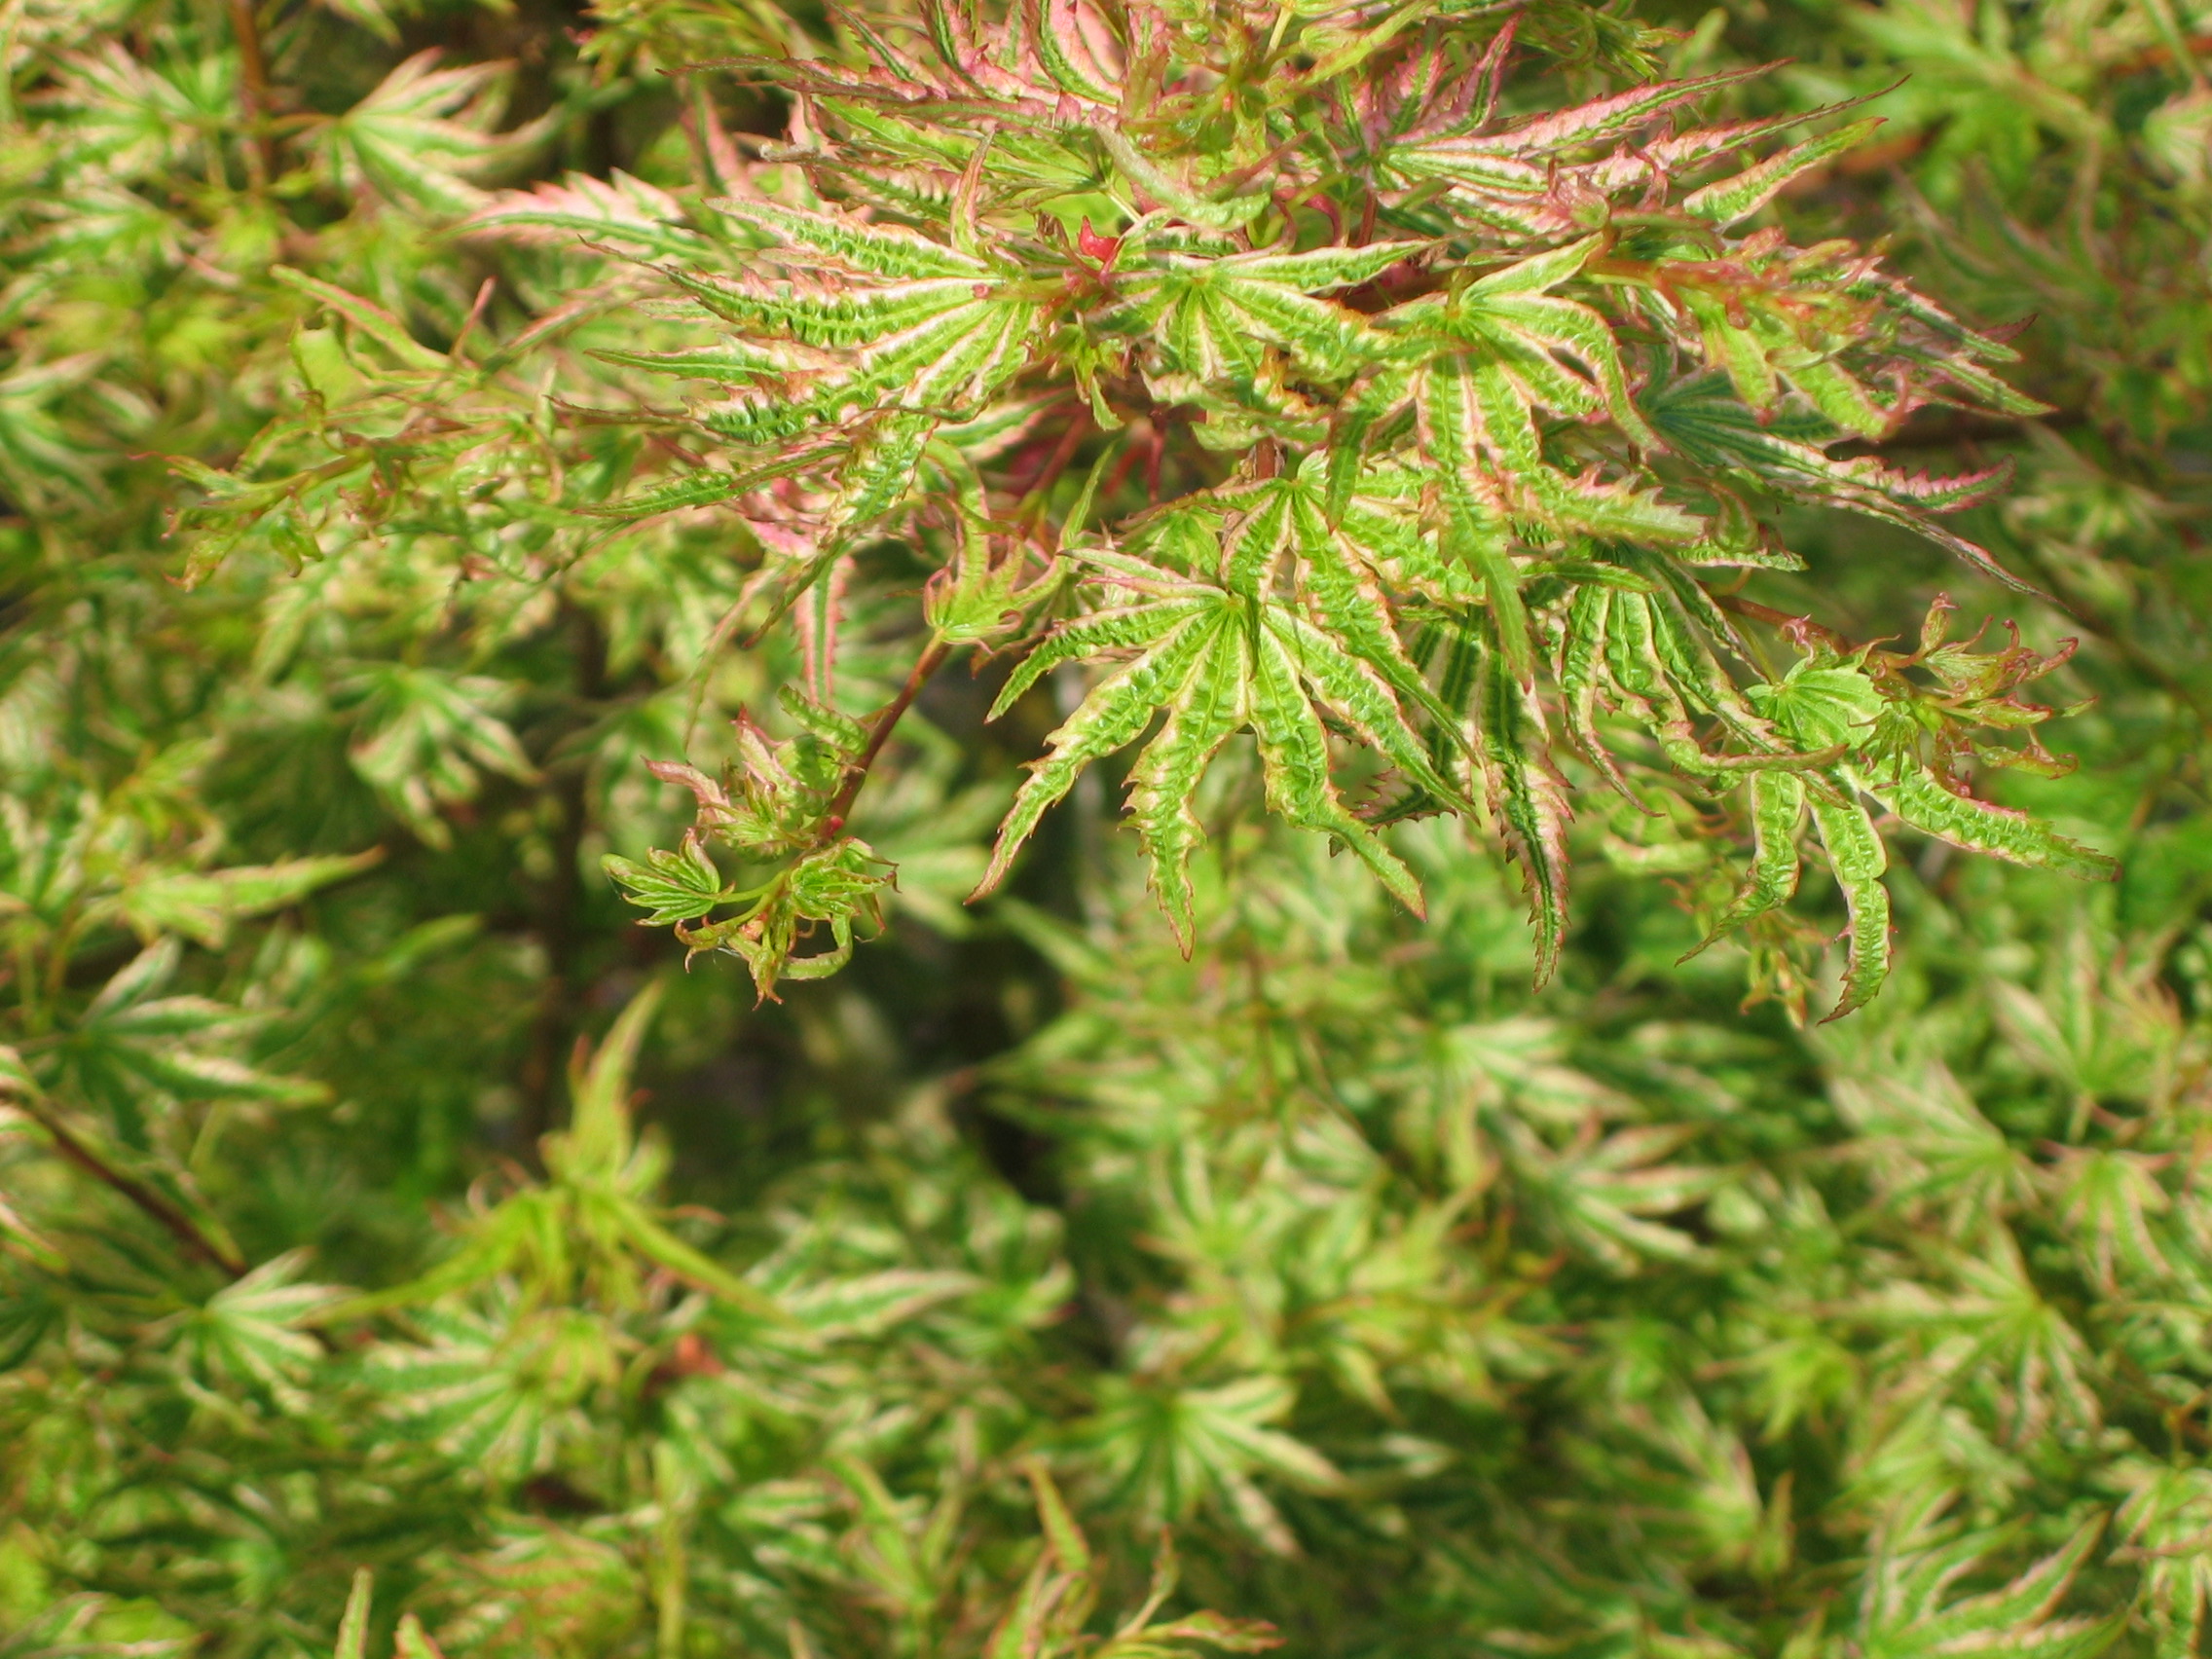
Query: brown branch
[(1757, 612), (1961, 430), (182, 1227), (253, 87), (2160, 57), (888, 716)]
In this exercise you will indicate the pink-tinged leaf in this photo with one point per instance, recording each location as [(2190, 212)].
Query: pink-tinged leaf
[(1529, 799), (709, 793), (618, 211), (1602, 120), (1075, 44), (1946, 495), (820, 614)]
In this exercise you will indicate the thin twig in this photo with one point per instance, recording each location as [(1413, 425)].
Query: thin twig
[(185, 1230), (879, 734), (1796, 626), (475, 316), (1055, 463), (2068, 599)]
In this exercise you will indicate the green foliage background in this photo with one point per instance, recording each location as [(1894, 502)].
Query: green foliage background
[(1425, 1312)]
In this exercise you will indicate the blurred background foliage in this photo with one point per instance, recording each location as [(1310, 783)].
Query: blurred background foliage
[(1420, 1312)]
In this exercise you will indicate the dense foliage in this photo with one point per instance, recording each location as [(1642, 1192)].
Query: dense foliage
[(476, 471)]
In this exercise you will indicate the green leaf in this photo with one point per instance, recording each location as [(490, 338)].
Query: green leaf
[(1226, 212), (1294, 760), (739, 362), (836, 318), (1857, 857), (1822, 707), (1538, 325), (1778, 813), (252, 1331), (201, 905), (1456, 413), (1114, 629), (1320, 269), (883, 251), (371, 320), (425, 737), (1716, 431), (1581, 669), (694, 1267), (948, 365), (877, 476), (1111, 716), (1170, 1449), (1211, 318), (1981, 827), (1538, 274), (978, 595), (1904, 1612), (597, 1143), (353, 1627), (1201, 715), (1596, 1196), (678, 886), (421, 134)]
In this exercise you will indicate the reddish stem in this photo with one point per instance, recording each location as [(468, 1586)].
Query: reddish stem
[(1055, 463), (888, 716)]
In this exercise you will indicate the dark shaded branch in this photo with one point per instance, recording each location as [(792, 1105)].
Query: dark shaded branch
[(559, 918), (180, 1226), (1962, 427)]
